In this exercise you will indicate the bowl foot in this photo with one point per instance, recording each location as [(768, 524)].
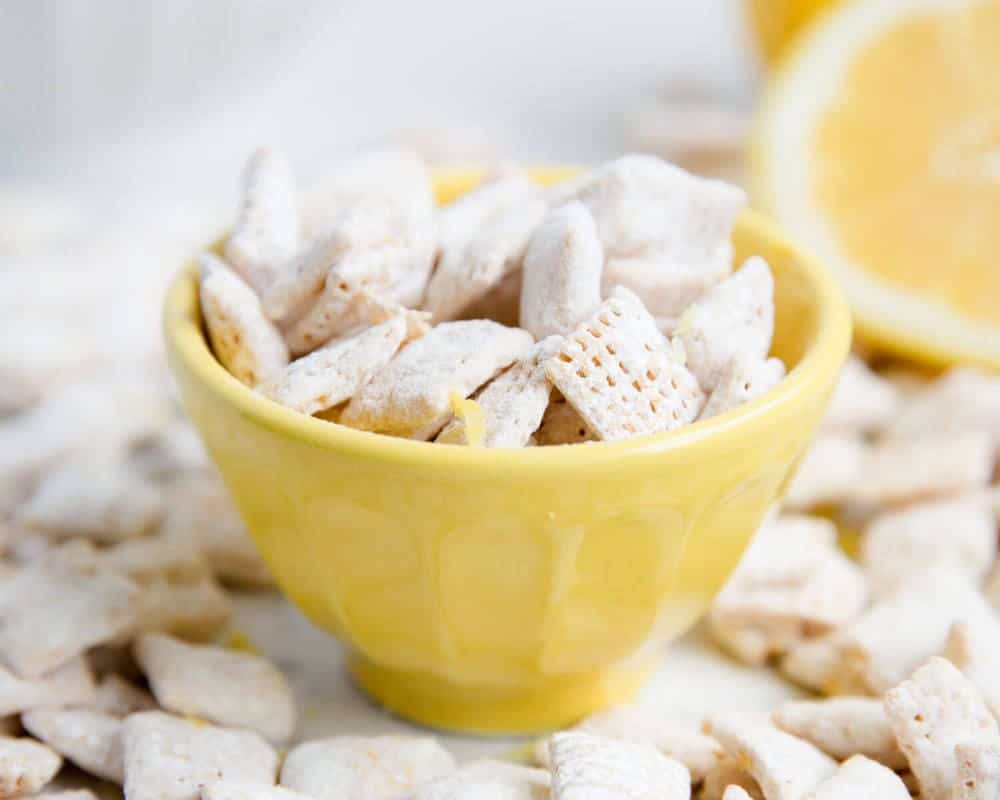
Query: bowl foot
[(490, 710)]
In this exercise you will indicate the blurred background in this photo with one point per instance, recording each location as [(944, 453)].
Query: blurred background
[(138, 106)]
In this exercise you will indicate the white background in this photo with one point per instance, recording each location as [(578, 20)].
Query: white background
[(138, 104)]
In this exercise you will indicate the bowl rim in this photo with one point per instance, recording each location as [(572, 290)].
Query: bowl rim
[(185, 339)]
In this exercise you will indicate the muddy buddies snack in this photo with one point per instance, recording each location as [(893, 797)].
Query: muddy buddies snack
[(622, 276)]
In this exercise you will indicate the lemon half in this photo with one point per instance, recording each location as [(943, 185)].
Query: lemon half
[(878, 148)]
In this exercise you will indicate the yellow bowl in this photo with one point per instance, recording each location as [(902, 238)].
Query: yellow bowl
[(503, 591)]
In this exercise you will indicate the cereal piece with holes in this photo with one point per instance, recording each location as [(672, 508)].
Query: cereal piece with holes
[(932, 712), (266, 234), (411, 396), (618, 372), (978, 770), (246, 343), (562, 272)]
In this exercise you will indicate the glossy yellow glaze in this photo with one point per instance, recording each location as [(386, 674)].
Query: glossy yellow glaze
[(500, 591)]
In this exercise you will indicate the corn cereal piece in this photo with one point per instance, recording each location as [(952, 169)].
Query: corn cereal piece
[(860, 778), (266, 234), (496, 249), (616, 370), (587, 767), (735, 319), (903, 629), (246, 343), (863, 402), (975, 649), (168, 758), (561, 424), (829, 473), (792, 584), (955, 534), (235, 689), (513, 403), (352, 298), (25, 766), (192, 610), (785, 767), (961, 400), (119, 698), (201, 508), (89, 739), (728, 775), (335, 372), (248, 790), (171, 555), (102, 500), (562, 272), (741, 381), (410, 397), (671, 223), (933, 465), (978, 770), (302, 282), (639, 725), (69, 685), (356, 768), (932, 712), (843, 726), (384, 199), (493, 779), (468, 218), (49, 616)]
